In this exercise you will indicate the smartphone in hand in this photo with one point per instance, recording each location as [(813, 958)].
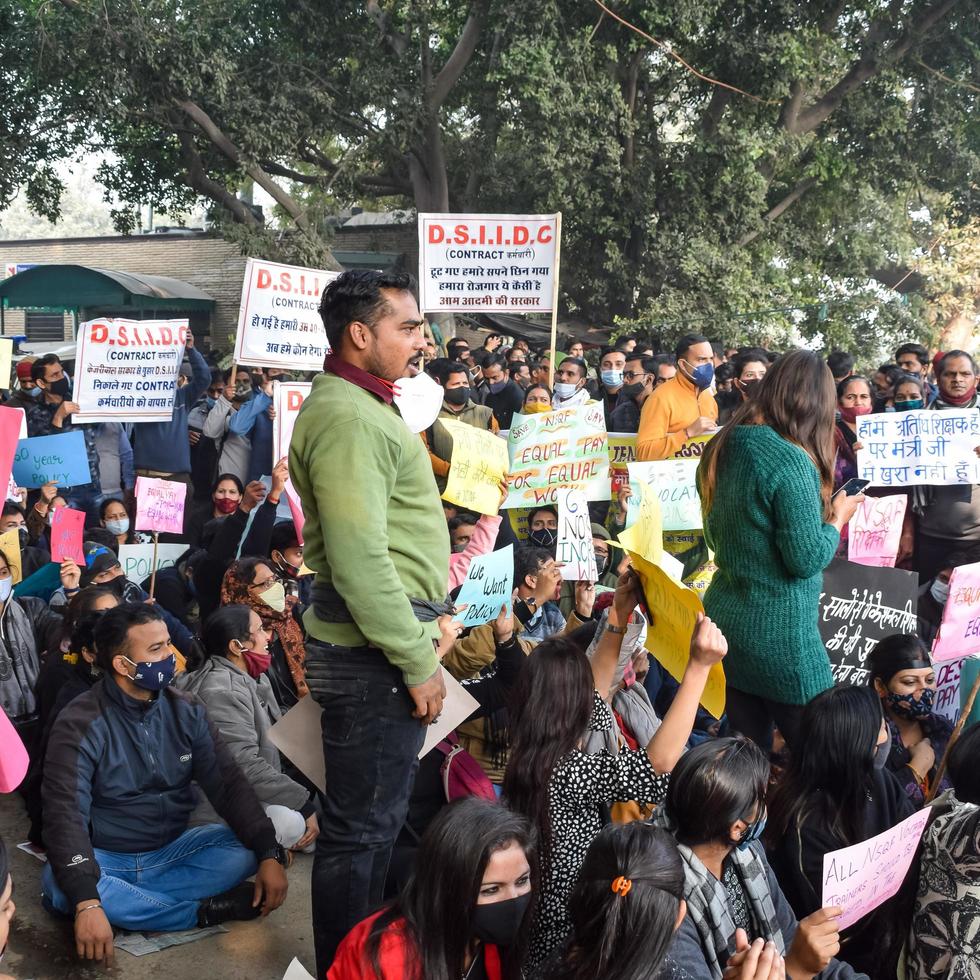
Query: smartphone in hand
[(853, 487)]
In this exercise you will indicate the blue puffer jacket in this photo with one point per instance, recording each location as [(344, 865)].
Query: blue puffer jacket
[(118, 775)]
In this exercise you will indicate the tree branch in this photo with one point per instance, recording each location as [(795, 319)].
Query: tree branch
[(197, 179), (279, 170), (396, 41), (773, 213), (456, 63), (720, 97)]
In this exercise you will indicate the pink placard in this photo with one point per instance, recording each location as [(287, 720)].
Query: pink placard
[(296, 508), (13, 756), (860, 877), (875, 531), (67, 535), (11, 420), (959, 632), (160, 505)]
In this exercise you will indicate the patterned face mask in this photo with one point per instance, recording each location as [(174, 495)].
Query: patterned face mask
[(907, 704)]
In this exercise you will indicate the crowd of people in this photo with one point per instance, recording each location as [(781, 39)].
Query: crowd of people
[(590, 818)]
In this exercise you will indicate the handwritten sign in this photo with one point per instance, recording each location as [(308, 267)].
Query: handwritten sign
[(863, 876), (673, 481), (160, 505), (287, 400), (565, 448), (859, 606), (959, 632), (575, 551), (948, 683), (127, 369), (137, 559), (60, 459), (645, 535), (11, 422), (477, 469), (675, 610), (488, 587), (499, 262), (278, 321), (875, 531), (10, 547), (67, 528), (622, 452), (924, 447)]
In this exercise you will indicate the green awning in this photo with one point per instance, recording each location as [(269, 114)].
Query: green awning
[(76, 287)]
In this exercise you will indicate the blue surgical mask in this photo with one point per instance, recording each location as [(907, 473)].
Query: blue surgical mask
[(939, 590), (755, 829), (564, 390), (6, 587), (120, 526), (211, 402), (612, 379), (154, 675), (702, 375)]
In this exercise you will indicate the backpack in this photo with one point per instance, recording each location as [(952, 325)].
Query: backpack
[(462, 775)]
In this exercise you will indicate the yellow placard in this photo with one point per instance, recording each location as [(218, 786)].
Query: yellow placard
[(478, 467), (675, 610), (10, 546), (645, 536), (694, 448)]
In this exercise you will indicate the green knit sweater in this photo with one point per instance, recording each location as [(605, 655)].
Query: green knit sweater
[(771, 546), (375, 527)]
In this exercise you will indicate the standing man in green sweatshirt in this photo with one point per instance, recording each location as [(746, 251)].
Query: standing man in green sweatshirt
[(376, 536)]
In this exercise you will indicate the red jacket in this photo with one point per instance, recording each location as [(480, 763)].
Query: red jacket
[(352, 961)]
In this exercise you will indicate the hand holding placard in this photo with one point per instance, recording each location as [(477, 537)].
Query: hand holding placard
[(160, 505), (487, 587)]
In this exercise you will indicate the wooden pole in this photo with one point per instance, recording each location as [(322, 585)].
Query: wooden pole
[(554, 304), (964, 714), (153, 574)]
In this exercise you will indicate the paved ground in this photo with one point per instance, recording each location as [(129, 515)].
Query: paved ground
[(41, 949)]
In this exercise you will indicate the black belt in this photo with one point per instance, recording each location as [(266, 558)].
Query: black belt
[(329, 606)]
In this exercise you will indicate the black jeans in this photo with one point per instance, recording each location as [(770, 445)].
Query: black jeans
[(753, 717), (370, 746)]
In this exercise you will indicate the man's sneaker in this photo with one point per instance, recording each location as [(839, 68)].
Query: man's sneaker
[(236, 903)]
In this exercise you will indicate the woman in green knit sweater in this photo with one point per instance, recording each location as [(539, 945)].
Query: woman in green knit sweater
[(765, 483)]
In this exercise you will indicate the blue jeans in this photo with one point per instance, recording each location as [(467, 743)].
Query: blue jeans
[(160, 891), (370, 746)]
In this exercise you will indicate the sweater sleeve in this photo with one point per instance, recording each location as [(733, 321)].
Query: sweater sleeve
[(807, 545), (480, 543), (216, 423), (244, 419), (653, 440)]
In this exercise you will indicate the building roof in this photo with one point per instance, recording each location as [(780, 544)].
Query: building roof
[(74, 287)]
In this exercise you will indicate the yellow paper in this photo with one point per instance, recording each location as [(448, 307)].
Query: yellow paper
[(478, 467), (6, 357), (645, 536), (694, 448), (10, 546), (675, 609)]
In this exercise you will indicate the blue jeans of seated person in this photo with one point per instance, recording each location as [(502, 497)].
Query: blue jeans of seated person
[(160, 891)]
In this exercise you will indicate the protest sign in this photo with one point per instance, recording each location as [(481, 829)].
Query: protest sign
[(675, 610), (127, 369), (565, 448), (287, 400), (959, 632), (6, 362), (859, 606), (645, 535), (10, 546), (575, 551), (925, 447), (278, 321), (137, 559), (59, 459), (295, 509), (477, 469), (505, 263), (861, 877), (13, 756), (622, 452), (948, 678), (488, 587), (11, 420), (875, 531), (673, 481), (160, 505), (694, 448), (67, 526)]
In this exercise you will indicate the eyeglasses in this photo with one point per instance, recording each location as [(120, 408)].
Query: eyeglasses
[(267, 584), (630, 375)]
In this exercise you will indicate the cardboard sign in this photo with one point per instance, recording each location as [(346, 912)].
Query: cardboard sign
[(60, 459), (10, 546), (503, 263), (903, 449), (67, 533), (959, 632), (127, 369), (674, 483), (477, 469), (488, 587), (564, 448), (278, 321), (861, 877), (860, 606), (160, 505), (575, 551), (875, 531), (137, 559), (287, 400)]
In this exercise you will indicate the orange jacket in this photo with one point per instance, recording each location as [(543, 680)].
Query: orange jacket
[(665, 415)]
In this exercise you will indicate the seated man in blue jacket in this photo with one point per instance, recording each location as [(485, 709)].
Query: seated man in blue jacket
[(118, 790)]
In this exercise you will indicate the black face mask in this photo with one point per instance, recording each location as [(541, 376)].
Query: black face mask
[(500, 923), (24, 535), (61, 388), (601, 563), (457, 396), (545, 538), (633, 390)]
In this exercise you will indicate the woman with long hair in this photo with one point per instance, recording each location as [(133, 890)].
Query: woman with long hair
[(832, 796), (766, 482), (114, 517), (559, 698), (463, 912)]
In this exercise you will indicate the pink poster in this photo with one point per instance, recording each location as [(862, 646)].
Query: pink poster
[(959, 632), (296, 509), (13, 756), (67, 530), (875, 531), (160, 505)]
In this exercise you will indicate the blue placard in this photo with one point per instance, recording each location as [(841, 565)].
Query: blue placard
[(60, 459), (488, 586)]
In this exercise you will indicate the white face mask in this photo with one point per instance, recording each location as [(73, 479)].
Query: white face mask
[(564, 390), (6, 587), (939, 590), (275, 597)]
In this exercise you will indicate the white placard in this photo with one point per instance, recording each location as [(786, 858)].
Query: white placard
[(287, 400), (575, 552), (137, 559)]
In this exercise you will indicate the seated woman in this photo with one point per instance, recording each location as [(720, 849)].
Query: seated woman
[(226, 495), (903, 677), (463, 912), (833, 796), (114, 517), (946, 921), (233, 685), (716, 809), (537, 399)]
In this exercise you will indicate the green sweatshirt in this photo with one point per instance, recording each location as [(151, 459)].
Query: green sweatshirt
[(375, 528)]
